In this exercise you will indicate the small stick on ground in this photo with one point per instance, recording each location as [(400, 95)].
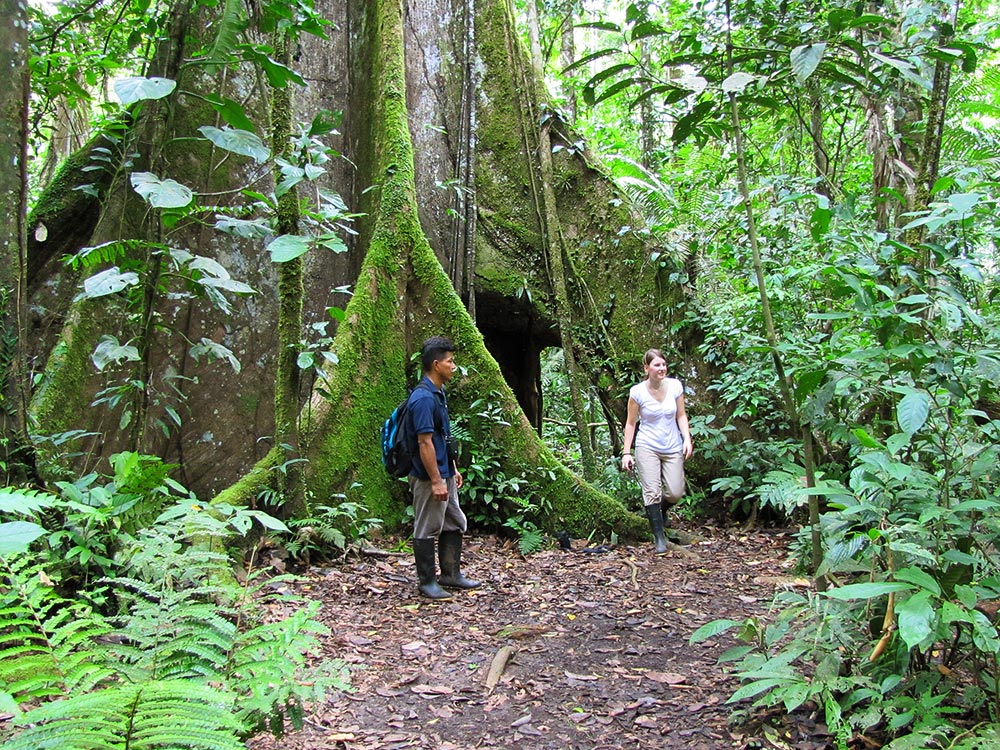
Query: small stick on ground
[(498, 665)]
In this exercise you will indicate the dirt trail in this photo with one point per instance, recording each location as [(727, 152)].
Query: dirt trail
[(598, 644)]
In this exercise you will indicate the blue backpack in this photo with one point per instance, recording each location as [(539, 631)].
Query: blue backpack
[(398, 442)]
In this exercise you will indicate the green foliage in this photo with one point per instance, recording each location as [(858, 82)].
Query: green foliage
[(492, 498), (188, 658), (330, 530), (898, 383)]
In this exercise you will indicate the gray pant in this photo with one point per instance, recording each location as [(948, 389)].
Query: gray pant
[(430, 516), (661, 475)]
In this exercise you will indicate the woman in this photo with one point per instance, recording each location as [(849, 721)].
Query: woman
[(659, 425)]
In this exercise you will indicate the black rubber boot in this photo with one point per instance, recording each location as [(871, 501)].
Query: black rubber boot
[(655, 515), (450, 555), (423, 552)]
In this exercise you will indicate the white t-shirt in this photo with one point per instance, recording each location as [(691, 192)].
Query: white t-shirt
[(657, 429)]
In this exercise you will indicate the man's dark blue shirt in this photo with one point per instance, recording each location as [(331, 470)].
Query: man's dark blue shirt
[(428, 412)]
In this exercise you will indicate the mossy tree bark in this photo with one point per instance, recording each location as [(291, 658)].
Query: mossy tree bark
[(290, 302), (424, 105), (16, 456), (402, 296)]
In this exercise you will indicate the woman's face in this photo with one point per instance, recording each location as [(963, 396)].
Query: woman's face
[(657, 368)]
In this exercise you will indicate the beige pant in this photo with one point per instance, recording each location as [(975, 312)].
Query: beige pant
[(661, 476), (430, 516)]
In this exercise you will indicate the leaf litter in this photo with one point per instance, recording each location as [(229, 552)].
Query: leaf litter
[(564, 649)]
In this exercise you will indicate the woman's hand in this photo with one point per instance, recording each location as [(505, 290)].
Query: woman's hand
[(688, 448), (627, 462)]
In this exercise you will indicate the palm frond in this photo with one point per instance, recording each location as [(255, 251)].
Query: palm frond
[(230, 25)]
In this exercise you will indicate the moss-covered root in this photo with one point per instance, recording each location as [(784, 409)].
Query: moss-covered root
[(260, 477)]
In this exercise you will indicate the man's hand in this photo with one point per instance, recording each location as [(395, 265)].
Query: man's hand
[(439, 489), (459, 481)]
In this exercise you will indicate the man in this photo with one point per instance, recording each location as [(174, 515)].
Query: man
[(434, 478)]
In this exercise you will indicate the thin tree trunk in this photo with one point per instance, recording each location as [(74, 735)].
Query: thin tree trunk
[(554, 242), (567, 56), (290, 301), (785, 382), (16, 455)]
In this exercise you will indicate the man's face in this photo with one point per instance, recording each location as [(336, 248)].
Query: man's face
[(445, 367)]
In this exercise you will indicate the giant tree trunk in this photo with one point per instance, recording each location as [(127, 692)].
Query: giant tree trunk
[(433, 93)]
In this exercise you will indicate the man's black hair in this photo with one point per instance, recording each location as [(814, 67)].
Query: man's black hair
[(434, 349)]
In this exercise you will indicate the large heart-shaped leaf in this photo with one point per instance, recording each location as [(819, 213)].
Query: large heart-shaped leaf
[(237, 141), (138, 88), (161, 193)]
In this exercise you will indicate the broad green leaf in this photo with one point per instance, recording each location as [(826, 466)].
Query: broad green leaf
[(267, 521), (865, 439), (228, 285), (963, 202), (920, 577), (109, 281), (110, 351), (912, 411), (333, 243), (712, 629), (806, 58), (866, 590), (138, 88), (915, 617), (16, 536), (232, 112), (905, 68), (895, 443), (737, 82), (305, 360), (757, 687), (819, 222), (161, 193), (324, 122), (241, 142), (288, 247), (646, 29), (209, 266), (215, 350)]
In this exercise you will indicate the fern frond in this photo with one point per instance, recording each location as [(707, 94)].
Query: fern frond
[(24, 502), (159, 715), (49, 646), (106, 254)]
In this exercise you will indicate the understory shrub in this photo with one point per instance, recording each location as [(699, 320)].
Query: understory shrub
[(898, 387), (183, 655)]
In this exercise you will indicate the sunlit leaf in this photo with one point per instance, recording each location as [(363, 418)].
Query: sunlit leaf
[(288, 247), (138, 88), (854, 591), (108, 281), (17, 536), (737, 82), (237, 141), (915, 617), (161, 193), (805, 59), (109, 351), (912, 411)]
